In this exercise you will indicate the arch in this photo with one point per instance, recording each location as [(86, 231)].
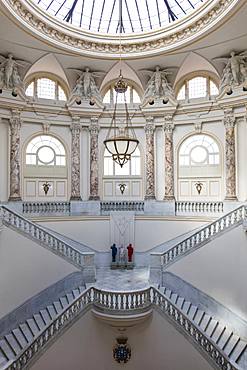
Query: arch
[(59, 83), (194, 63), (199, 158), (113, 74)]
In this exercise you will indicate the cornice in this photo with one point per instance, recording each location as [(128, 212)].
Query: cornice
[(65, 36)]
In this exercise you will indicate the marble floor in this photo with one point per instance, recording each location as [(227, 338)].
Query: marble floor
[(118, 280)]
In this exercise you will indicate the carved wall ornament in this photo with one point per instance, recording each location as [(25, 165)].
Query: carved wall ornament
[(46, 187), (230, 157), (15, 179), (149, 165), (94, 159), (169, 159), (9, 74), (122, 350), (199, 186), (75, 157), (87, 44), (198, 127), (122, 188)]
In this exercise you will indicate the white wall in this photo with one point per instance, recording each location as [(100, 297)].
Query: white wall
[(96, 232), (26, 268), (219, 269), (4, 162), (88, 344)]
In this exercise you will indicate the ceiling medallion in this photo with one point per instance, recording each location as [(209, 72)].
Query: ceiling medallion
[(122, 350)]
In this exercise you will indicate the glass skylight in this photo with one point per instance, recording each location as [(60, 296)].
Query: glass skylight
[(103, 15)]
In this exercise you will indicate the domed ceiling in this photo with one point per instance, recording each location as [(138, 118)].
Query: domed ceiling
[(103, 15)]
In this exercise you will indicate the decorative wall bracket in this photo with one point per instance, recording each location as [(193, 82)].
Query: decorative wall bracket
[(122, 350)]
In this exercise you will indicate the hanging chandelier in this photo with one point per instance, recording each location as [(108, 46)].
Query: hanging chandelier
[(121, 142)]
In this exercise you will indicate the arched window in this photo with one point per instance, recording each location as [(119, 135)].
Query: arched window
[(46, 88), (45, 150), (131, 96), (131, 168), (198, 87), (199, 150)]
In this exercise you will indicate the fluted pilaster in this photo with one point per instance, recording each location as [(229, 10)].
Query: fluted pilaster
[(230, 158), (149, 168), (169, 160), (94, 159), (75, 158), (15, 176)]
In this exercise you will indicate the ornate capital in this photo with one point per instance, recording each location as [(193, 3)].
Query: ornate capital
[(15, 120), (229, 119), (94, 126), (75, 126), (149, 127), (168, 125)]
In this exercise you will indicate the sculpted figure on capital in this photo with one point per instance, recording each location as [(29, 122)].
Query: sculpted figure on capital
[(9, 72), (235, 71), (158, 85), (85, 87)]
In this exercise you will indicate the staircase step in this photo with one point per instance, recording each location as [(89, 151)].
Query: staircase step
[(52, 311), (39, 321), (199, 316), (58, 307), (231, 345), (33, 327), (6, 349), (211, 327), (45, 316), (64, 302), (186, 307), (192, 312), (76, 293), (174, 298), (3, 358), (218, 332), (15, 346), (180, 302), (205, 322), (20, 337), (26, 332), (225, 337), (238, 351), (70, 297)]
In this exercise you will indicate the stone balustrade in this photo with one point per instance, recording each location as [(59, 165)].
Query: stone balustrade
[(82, 260), (126, 302), (160, 261), (122, 206), (42, 208), (198, 207)]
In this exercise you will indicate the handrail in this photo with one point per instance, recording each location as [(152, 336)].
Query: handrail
[(150, 296), (45, 207), (201, 237), (12, 219)]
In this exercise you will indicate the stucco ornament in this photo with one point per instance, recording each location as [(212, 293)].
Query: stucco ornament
[(94, 159), (15, 178), (9, 73), (75, 158), (149, 168), (169, 160), (85, 87), (235, 71), (158, 85), (230, 158)]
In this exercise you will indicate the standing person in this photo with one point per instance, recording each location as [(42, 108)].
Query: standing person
[(130, 252), (113, 252)]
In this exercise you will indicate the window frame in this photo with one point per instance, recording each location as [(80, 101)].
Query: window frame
[(133, 87), (114, 164), (58, 83)]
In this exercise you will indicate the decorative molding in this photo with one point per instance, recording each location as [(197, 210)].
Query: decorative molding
[(66, 36)]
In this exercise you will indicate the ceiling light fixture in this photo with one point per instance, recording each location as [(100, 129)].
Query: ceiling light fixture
[(121, 142)]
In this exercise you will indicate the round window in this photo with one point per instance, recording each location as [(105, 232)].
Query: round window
[(198, 154), (46, 155)]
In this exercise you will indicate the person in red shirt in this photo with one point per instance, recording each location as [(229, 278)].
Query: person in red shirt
[(130, 252)]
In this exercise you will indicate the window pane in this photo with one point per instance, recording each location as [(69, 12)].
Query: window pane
[(135, 166), (213, 88), (108, 166), (136, 97), (199, 154), (46, 88), (181, 93), (197, 87), (61, 94), (31, 159), (30, 89), (124, 171), (121, 98), (60, 161)]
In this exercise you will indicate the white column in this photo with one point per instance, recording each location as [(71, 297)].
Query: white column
[(15, 176), (230, 158), (149, 165), (75, 158), (169, 161), (94, 159)]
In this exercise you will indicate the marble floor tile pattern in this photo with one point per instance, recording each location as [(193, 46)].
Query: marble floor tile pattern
[(122, 280)]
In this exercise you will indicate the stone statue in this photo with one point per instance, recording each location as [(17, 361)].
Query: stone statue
[(9, 75), (234, 62), (122, 254), (113, 252), (130, 250), (227, 78), (85, 86), (158, 85)]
